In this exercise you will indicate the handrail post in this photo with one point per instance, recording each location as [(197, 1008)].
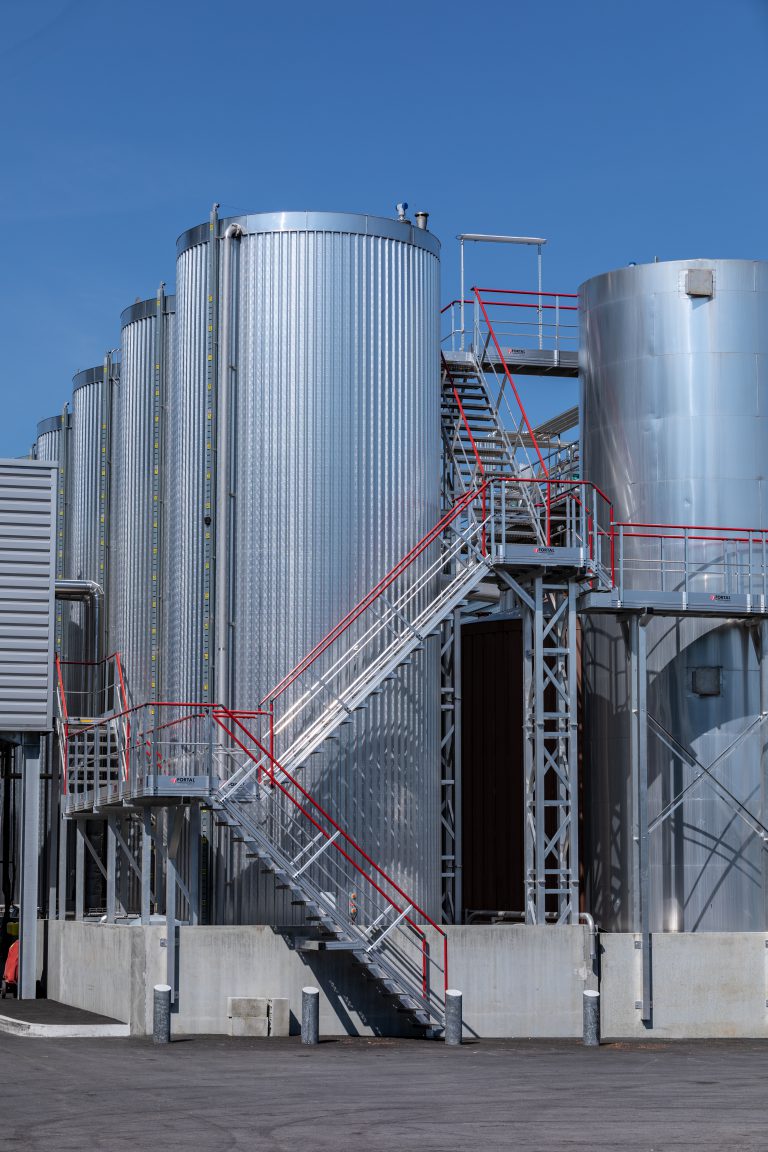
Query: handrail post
[(154, 752), (209, 752), (612, 548), (749, 567), (621, 562), (541, 313), (685, 563), (549, 512), (557, 323)]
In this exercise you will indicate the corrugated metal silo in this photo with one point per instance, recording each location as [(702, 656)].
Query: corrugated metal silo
[(675, 431), (136, 497), (53, 443), (327, 326), (88, 537)]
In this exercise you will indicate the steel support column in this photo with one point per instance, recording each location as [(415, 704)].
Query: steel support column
[(550, 755), (146, 865), (30, 854), (64, 826), (195, 827), (450, 768), (111, 869), (79, 868), (763, 658), (640, 837), (174, 818)]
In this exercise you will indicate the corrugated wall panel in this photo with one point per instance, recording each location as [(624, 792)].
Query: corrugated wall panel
[(27, 576)]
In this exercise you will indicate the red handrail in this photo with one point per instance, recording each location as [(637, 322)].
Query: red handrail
[(533, 304), (452, 514), (511, 383), (274, 763), (528, 292), (65, 718)]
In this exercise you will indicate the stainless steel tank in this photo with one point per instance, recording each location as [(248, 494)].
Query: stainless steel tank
[(674, 379), (136, 493), (327, 326), (53, 443), (87, 549)]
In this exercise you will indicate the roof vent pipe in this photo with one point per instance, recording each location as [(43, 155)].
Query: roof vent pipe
[(421, 220)]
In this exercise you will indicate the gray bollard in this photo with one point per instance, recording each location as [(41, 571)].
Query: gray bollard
[(310, 1015), (453, 1016), (591, 1001), (161, 1020)]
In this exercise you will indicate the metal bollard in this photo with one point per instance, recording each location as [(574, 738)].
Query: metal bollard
[(453, 1016), (310, 1015), (161, 1020), (591, 1002)]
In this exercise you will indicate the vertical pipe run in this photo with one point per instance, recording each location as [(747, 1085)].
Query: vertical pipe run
[(458, 867), (461, 288), (224, 477), (209, 432)]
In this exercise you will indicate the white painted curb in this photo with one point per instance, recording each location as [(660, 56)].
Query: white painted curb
[(61, 1031)]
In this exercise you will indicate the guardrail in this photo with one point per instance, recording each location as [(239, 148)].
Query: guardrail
[(692, 559), (524, 321)]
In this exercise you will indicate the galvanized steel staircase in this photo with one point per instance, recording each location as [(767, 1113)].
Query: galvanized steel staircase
[(478, 445), (353, 904)]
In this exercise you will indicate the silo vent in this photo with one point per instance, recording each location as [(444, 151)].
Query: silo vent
[(421, 219), (700, 282)]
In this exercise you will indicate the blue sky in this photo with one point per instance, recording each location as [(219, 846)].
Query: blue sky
[(618, 130)]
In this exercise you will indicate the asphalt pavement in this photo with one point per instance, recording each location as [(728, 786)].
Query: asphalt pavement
[(209, 1093)]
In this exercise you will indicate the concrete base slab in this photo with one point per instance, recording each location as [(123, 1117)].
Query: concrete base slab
[(47, 1019)]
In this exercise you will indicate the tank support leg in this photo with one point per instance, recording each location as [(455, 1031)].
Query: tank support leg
[(30, 850), (639, 766)]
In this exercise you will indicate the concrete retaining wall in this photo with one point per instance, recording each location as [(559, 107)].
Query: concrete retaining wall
[(704, 984), (516, 981)]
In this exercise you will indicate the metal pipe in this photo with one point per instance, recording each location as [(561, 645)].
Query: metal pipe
[(223, 473), (461, 286), (588, 919), (480, 237), (92, 595)]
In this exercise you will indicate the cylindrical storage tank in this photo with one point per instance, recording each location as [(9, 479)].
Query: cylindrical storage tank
[(327, 328), (675, 431), (52, 443), (136, 496), (88, 536)]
